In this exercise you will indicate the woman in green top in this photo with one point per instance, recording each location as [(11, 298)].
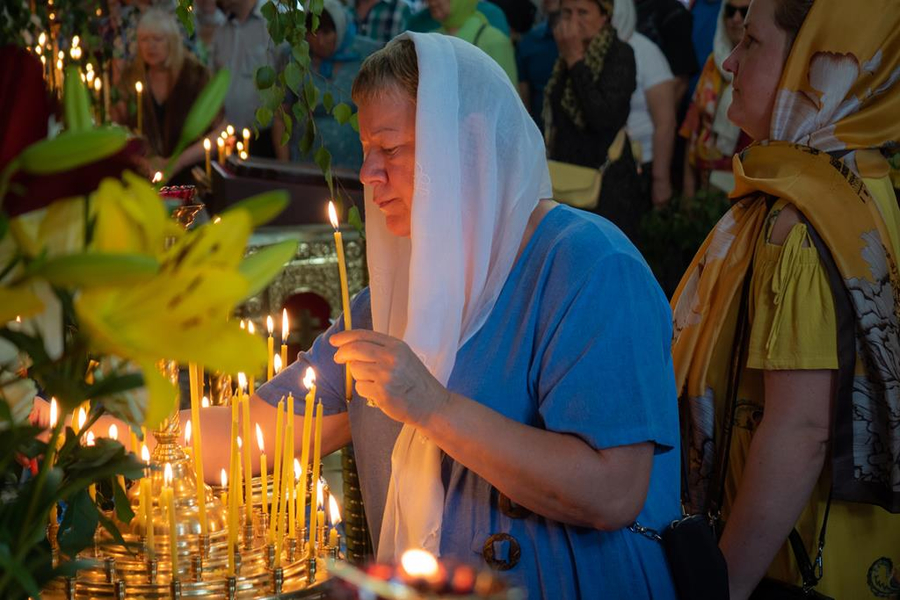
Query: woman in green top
[(460, 18)]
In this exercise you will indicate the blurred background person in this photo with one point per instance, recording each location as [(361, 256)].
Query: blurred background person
[(651, 120), (380, 20), (586, 105), (712, 139), (668, 24), (173, 79), (536, 54), (421, 21)]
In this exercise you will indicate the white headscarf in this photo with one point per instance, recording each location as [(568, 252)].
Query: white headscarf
[(480, 171), (727, 133), (624, 18)]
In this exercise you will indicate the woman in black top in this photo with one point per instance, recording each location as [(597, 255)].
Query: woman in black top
[(587, 103)]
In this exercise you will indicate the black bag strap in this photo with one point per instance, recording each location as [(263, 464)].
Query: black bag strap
[(810, 571), (478, 34)]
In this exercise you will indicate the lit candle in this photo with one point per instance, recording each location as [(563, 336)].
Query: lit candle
[(277, 364), (114, 435), (309, 382), (233, 491), (243, 154), (293, 509), (263, 468), (207, 147), (246, 136), (194, 374), (238, 475), (276, 470), (320, 515), (97, 88), (345, 292), (54, 418), (134, 443), (168, 497), (220, 156), (82, 419), (285, 476), (317, 452), (157, 177), (335, 519), (285, 330), (204, 402), (147, 493), (230, 131), (139, 89), (223, 477), (239, 147), (187, 439), (270, 326), (251, 328), (248, 470)]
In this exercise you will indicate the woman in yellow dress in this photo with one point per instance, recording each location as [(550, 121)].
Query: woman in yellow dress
[(787, 322)]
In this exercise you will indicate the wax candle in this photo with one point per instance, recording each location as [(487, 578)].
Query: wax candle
[(147, 493), (263, 468), (345, 292), (248, 472), (230, 131), (285, 330), (198, 448), (114, 435), (293, 509), (220, 155), (309, 382), (317, 452), (92, 489), (233, 493), (187, 440), (270, 341), (168, 497), (223, 479), (139, 89), (335, 519), (246, 136), (239, 474), (207, 148), (251, 329), (276, 471), (278, 364), (54, 418), (282, 511)]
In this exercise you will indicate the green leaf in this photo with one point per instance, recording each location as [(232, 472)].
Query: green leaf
[(76, 532), (262, 208), (265, 77), (309, 136), (277, 28), (311, 94), (186, 18), (354, 122), (124, 511), (90, 269), (4, 227), (288, 125), (328, 101), (9, 564), (262, 266), (264, 116), (293, 76), (323, 159), (76, 102), (268, 10), (355, 220), (204, 110), (71, 150), (109, 526), (342, 113), (113, 384), (301, 51)]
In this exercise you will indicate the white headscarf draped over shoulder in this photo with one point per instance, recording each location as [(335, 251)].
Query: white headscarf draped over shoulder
[(480, 171)]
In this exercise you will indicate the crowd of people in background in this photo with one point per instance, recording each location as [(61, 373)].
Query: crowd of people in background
[(586, 70)]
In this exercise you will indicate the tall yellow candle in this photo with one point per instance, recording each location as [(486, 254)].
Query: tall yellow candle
[(248, 472), (207, 147), (252, 383), (92, 489), (293, 510), (233, 493), (220, 155), (317, 455), (270, 342), (198, 448), (168, 498), (246, 136), (285, 330), (309, 382), (335, 514), (345, 292), (54, 418), (139, 89), (276, 470), (147, 493), (282, 503), (263, 468)]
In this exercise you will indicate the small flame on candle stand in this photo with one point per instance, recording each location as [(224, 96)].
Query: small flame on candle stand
[(82, 418), (240, 442), (243, 324), (89, 438), (270, 325), (259, 440), (54, 412), (420, 564), (113, 432), (145, 454), (224, 479), (157, 177), (251, 327), (187, 432), (332, 215), (276, 359), (242, 382), (285, 329), (230, 130), (309, 379), (204, 402), (334, 511)]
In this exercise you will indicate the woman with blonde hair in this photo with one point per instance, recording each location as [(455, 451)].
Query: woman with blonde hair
[(172, 78), (787, 324)]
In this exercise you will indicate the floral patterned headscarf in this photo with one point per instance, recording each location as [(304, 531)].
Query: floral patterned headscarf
[(837, 107)]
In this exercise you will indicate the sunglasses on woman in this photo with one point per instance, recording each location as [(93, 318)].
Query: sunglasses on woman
[(730, 9)]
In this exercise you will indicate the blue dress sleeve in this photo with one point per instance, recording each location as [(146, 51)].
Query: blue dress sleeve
[(606, 371), (329, 375)]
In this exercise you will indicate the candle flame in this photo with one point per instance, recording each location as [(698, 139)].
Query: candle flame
[(240, 442), (59, 65), (204, 402), (270, 325), (230, 130), (320, 494), (207, 145), (18, 319), (82, 418), (89, 77), (89, 66), (224, 478), (97, 84), (138, 87), (246, 133), (297, 470), (239, 146), (187, 432), (259, 440), (419, 563), (42, 39), (223, 135), (90, 438), (167, 474), (157, 177), (309, 380), (334, 511), (243, 324), (113, 432), (54, 412), (332, 215), (276, 360), (145, 454), (217, 220), (60, 55), (75, 41), (242, 381), (285, 328), (220, 143), (243, 154), (251, 327), (39, 50)]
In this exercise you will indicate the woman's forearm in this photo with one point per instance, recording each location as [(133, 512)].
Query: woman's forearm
[(555, 475)]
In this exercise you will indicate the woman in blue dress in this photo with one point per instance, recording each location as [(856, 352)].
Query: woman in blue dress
[(514, 396)]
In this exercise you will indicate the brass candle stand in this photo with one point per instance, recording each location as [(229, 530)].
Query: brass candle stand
[(136, 572)]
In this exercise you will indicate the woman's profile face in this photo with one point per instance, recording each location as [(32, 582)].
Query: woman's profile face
[(586, 16), (756, 63), (153, 46), (387, 130)]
